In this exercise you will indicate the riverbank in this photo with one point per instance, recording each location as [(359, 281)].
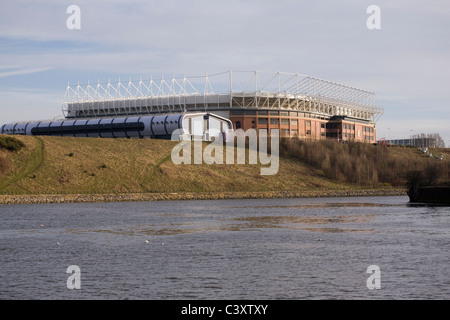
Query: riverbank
[(72, 170), (127, 197)]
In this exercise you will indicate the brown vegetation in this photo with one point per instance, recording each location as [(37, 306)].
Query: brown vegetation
[(3, 165), (10, 143), (62, 165), (365, 164)]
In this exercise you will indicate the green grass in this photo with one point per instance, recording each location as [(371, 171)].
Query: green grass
[(25, 163)]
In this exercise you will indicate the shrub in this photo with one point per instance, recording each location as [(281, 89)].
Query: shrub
[(10, 143)]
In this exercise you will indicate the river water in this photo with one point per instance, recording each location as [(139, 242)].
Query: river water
[(309, 248)]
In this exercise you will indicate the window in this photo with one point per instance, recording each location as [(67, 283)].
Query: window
[(263, 112), (331, 135), (263, 120), (274, 121), (322, 125), (284, 113), (308, 131), (273, 113), (285, 121), (308, 123), (238, 124), (237, 112), (294, 122), (250, 112), (284, 132), (293, 114)]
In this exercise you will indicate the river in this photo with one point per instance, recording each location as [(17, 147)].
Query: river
[(301, 248)]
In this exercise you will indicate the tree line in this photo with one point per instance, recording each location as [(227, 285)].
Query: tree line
[(430, 140)]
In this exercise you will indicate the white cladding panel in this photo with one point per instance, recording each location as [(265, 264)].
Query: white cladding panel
[(9, 128), (199, 126), (132, 133), (158, 125), (82, 123), (30, 127), (68, 126), (20, 128), (106, 123), (91, 133), (119, 134)]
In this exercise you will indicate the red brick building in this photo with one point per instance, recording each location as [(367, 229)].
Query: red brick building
[(304, 125)]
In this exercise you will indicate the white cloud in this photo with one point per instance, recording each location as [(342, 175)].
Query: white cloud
[(21, 72)]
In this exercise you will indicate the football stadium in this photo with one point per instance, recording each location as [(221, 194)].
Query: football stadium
[(299, 106)]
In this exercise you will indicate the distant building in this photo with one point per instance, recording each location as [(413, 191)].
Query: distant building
[(422, 142)]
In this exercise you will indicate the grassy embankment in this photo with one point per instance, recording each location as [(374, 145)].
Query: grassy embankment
[(89, 166)]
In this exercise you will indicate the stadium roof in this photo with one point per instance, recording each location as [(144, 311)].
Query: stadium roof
[(225, 90)]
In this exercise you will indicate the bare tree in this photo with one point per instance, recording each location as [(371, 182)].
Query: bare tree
[(427, 140)]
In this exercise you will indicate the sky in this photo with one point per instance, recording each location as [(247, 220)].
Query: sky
[(406, 62)]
